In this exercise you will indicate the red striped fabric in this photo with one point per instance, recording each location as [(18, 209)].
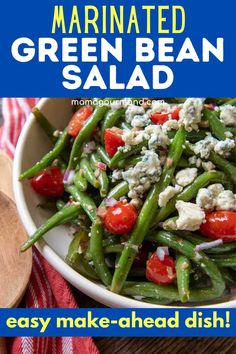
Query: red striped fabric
[(47, 289)]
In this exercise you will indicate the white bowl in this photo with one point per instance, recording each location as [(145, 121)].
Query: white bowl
[(32, 145)]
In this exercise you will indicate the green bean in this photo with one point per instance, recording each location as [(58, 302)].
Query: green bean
[(225, 260), (131, 161), (78, 240), (109, 240), (218, 101), (217, 128), (96, 242), (103, 155), (60, 204), (61, 217), (102, 178), (112, 118), (231, 102), (116, 248), (228, 275), (48, 158), (183, 163), (47, 127), (88, 173), (113, 248), (193, 136), (224, 165), (84, 135), (76, 260), (119, 190), (85, 201), (232, 130), (150, 290), (191, 191), (80, 265), (170, 224), (197, 240), (80, 181), (124, 152), (208, 266), (147, 213), (188, 151), (183, 271), (97, 253)]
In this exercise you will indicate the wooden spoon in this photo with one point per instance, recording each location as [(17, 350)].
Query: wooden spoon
[(15, 266), (6, 175)]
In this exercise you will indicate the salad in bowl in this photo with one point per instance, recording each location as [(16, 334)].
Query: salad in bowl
[(146, 188)]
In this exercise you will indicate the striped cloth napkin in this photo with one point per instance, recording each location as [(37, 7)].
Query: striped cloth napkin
[(47, 289)]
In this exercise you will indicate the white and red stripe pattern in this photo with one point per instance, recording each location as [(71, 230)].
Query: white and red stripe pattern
[(47, 289)]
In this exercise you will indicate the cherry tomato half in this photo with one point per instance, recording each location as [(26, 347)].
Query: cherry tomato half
[(113, 140), (220, 225), (161, 272), (77, 121), (161, 118), (49, 182), (120, 218)]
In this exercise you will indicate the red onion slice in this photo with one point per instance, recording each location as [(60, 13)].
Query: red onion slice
[(68, 176), (89, 147), (207, 245), (110, 202), (102, 166), (162, 252)]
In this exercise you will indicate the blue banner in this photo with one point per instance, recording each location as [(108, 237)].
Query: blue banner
[(118, 322), (114, 49)]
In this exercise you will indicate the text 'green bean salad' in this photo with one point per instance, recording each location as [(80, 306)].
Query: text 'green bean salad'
[(147, 188)]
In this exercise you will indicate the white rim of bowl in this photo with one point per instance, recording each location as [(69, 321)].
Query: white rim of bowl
[(90, 288)]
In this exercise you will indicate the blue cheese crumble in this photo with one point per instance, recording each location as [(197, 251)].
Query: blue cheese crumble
[(140, 121), (226, 200), (205, 199), (205, 146), (228, 115), (160, 106), (191, 216), (137, 116), (167, 194), (156, 137), (223, 147), (186, 176), (154, 134), (215, 197), (143, 174), (132, 136), (191, 113)]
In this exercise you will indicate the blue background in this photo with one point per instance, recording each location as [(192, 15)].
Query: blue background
[(33, 19), (115, 330)]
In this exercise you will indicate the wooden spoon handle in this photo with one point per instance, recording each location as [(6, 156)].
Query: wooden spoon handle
[(6, 175), (3, 347)]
